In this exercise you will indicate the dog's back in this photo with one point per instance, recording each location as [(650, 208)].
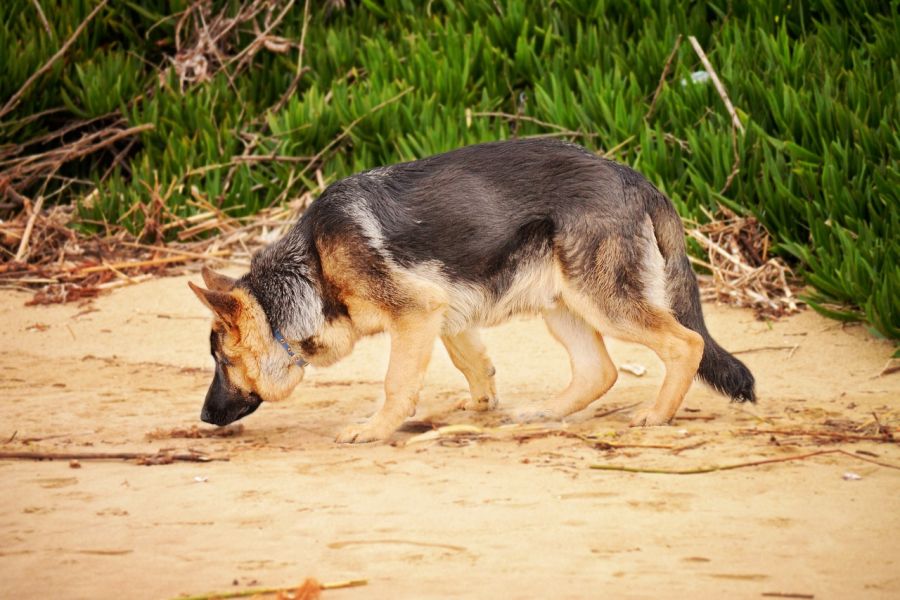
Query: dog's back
[(473, 208)]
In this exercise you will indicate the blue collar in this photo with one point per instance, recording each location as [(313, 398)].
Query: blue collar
[(296, 358)]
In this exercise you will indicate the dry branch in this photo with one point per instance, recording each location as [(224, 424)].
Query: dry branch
[(662, 77), (346, 130), (886, 436), (144, 458), (300, 70), (29, 227), (21, 171), (612, 411), (17, 97), (260, 41), (195, 432), (43, 18), (717, 82), (511, 117), (276, 590), (755, 463), (763, 349), (133, 264)]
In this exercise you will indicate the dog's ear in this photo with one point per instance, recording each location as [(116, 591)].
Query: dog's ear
[(216, 281), (223, 304)]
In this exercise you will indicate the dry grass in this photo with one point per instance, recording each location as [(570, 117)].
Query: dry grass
[(59, 264), (742, 272)]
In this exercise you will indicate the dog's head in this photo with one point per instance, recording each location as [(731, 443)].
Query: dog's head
[(250, 364)]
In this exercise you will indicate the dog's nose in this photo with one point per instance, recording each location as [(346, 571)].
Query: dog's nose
[(217, 418), (214, 416)]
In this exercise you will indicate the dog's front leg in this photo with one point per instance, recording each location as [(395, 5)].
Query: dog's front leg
[(412, 340), (470, 356)]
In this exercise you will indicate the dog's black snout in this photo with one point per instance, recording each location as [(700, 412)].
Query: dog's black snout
[(225, 404), (253, 403), (206, 417), (212, 417)]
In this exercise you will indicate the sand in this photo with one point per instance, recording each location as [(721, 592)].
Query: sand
[(485, 518)]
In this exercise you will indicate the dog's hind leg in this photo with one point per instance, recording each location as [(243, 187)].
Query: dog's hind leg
[(623, 289), (593, 371), (412, 340), (680, 349), (470, 356)]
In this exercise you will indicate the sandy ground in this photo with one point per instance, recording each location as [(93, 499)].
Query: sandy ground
[(488, 518)]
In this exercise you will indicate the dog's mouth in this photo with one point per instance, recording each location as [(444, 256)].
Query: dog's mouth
[(230, 415), (250, 407)]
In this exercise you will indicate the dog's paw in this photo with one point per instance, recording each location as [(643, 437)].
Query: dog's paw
[(647, 417), (360, 434), (480, 404)]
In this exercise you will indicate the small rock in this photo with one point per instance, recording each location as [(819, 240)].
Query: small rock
[(634, 368)]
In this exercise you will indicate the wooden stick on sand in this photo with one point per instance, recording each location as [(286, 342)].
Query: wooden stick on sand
[(264, 591)]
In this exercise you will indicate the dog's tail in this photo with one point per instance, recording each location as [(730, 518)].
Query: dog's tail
[(718, 367)]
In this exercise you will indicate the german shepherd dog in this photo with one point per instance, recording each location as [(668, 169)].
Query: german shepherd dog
[(437, 248)]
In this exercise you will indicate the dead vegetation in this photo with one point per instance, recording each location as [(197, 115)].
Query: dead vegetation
[(43, 252), (742, 271)]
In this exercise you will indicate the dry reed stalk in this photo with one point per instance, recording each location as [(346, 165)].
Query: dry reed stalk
[(662, 77), (300, 70), (29, 227), (717, 83)]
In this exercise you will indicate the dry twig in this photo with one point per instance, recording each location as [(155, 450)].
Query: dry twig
[(43, 18), (714, 468), (143, 458), (763, 349), (662, 77), (839, 436), (29, 226), (17, 97), (300, 70), (276, 590), (717, 82)]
